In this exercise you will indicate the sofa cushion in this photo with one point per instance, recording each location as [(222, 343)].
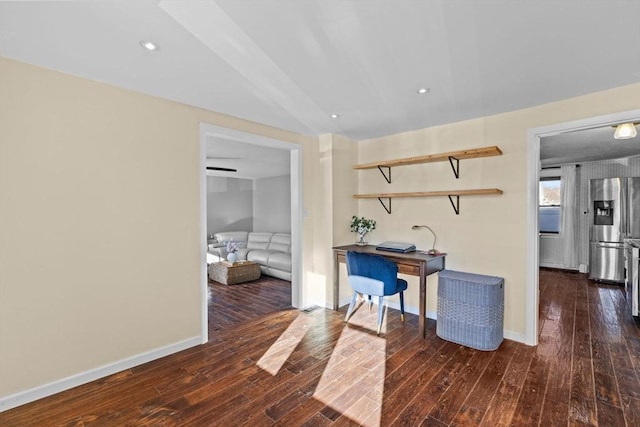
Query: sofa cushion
[(237, 236), (280, 242), (272, 251), (242, 254), (280, 261), (261, 256), (257, 240), (284, 275)]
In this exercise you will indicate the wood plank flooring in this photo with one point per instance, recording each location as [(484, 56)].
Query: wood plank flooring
[(290, 368), (233, 304)]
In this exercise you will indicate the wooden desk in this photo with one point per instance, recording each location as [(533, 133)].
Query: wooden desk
[(412, 263)]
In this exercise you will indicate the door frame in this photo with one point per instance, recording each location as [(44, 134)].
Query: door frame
[(533, 177), (295, 150)]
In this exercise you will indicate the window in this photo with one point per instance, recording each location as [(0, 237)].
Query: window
[(549, 208)]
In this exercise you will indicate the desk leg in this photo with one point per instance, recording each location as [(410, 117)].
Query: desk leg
[(422, 310), (336, 284)]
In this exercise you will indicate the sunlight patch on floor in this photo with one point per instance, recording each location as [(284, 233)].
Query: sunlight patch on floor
[(353, 380), (280, 351), (366, 316)]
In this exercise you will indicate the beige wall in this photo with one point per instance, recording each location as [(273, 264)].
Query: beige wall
[(99, 237), (99, 223), (334, 183), (489, 235), (344, 185)]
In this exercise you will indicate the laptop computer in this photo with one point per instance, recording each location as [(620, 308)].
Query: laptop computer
[(396, 247)]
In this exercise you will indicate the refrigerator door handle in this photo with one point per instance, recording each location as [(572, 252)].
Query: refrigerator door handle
[(610, 245), (624, 217)]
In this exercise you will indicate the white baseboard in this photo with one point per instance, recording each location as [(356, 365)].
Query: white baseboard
[(412, 309), (33, 394), (560, 266), (513, 336), (344, 301), (552, 265), (510, 335)]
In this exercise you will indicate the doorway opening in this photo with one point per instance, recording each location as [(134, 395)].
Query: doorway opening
[(208, 131), (534, 137)]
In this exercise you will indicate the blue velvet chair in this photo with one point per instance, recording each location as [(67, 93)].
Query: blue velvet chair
[(373, 275)]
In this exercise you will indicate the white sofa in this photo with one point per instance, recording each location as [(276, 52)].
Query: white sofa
[(271, 250)]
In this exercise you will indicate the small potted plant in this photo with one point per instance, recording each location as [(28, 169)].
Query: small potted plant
[(362, 226), (232, 249)]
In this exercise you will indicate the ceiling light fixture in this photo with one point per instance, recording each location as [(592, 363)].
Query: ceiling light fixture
[(335, 116), (148, 45), (625, 131), (423, 90)]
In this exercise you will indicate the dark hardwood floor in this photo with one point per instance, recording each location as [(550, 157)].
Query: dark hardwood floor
[(267, 364), (230, 305)]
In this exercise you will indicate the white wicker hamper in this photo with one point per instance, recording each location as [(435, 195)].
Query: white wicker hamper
[(470, 309)]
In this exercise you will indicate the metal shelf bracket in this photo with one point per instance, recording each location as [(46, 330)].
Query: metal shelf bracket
[(388, 209), (456, 168), (388, 178), (456, 205)]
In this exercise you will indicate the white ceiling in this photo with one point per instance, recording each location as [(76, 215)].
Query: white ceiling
[(586, 146), (250, 161), (290, 64)]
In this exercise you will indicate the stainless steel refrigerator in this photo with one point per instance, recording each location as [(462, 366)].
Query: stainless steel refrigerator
[(614, 215)]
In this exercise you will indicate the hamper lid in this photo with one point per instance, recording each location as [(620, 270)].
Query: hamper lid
[(470, 277)]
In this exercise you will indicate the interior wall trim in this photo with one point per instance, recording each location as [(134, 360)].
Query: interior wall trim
[(39, 392), (296, 181)]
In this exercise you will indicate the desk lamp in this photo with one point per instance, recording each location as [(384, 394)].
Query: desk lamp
[(433, 250)]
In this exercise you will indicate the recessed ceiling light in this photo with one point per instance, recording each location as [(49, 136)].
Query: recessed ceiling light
[(148, 45), (335, 116), (423, 90)]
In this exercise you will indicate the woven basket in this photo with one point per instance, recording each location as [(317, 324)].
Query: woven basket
[(470, 309), (232, 274)]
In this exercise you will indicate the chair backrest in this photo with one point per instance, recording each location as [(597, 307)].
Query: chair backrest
[(374, 267)]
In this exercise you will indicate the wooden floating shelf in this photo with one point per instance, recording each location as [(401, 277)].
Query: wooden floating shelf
[(451, 156), (478, 192), (432, 158), (448, 193)]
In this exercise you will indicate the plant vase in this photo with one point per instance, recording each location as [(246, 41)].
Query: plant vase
[(362, 239), (362, 226), (232, 257)]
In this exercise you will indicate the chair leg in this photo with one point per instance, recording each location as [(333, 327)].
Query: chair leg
[(350, 310), (402, 306), (370, 303), (380, 312)]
